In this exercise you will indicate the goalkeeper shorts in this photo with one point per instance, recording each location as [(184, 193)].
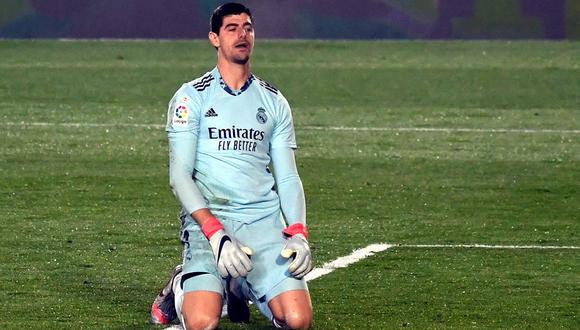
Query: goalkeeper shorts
[(268, 278)]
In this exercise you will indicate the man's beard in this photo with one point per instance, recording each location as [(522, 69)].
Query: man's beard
[(243, 60)]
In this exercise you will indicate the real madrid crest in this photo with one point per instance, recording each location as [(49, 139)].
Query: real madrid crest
[(261, 116)]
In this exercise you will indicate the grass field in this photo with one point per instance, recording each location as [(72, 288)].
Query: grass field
[(400, 142)]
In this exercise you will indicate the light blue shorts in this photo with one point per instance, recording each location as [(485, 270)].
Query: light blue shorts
[(268, 278)]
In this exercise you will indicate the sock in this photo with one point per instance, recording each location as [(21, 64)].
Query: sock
[(178, 293), (239, 287), (278, 325)]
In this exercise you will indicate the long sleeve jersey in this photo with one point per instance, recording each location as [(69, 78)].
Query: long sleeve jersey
[(221, 144)]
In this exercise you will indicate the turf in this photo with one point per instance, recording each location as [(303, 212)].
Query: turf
[(89, 228)]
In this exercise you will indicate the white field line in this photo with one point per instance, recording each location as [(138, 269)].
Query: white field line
[(322, 128), (487, 246), (343, 262), (359, 254), (441, 129), (112, 125)]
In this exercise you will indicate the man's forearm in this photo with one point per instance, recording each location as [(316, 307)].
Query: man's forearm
[(181, 166), (289, 186)]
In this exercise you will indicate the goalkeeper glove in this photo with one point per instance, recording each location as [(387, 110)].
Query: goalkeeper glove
[(297, 246), (231, 256)]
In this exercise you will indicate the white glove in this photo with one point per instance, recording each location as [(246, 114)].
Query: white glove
[(297, 246), (232, 257)]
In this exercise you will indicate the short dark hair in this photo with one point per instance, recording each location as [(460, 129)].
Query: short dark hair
[(232, 8)]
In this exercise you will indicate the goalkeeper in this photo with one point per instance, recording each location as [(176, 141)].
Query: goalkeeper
[(243, 227)]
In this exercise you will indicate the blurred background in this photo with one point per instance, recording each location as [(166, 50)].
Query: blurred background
[(305, 19)]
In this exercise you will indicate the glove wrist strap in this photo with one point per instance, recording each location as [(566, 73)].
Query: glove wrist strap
[(295, 229), (211, 226)]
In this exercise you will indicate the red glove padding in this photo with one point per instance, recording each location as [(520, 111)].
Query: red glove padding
[(296, 228), (211, 226)]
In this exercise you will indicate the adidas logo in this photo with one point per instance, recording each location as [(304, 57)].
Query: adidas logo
[(211, 113)]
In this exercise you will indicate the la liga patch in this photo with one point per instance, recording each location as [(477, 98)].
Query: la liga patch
[(181, 115)]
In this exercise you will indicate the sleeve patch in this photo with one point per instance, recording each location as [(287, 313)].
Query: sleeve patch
[(181, 115)]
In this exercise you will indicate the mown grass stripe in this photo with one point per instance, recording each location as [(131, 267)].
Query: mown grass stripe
[(328, 128), (359, 254)]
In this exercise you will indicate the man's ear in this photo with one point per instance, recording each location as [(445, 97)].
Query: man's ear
[(214, 39)]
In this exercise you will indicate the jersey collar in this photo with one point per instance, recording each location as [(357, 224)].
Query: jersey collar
[(227, 88)]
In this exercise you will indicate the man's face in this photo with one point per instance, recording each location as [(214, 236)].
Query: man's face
[(235, 41)]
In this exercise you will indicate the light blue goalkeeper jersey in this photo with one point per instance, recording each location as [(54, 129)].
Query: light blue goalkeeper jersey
[(231, 135)]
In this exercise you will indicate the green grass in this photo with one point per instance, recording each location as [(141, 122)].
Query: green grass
[(89, 226)]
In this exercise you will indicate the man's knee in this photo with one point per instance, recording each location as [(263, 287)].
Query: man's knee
[(201, 310), (201, 322), (296, 320)]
